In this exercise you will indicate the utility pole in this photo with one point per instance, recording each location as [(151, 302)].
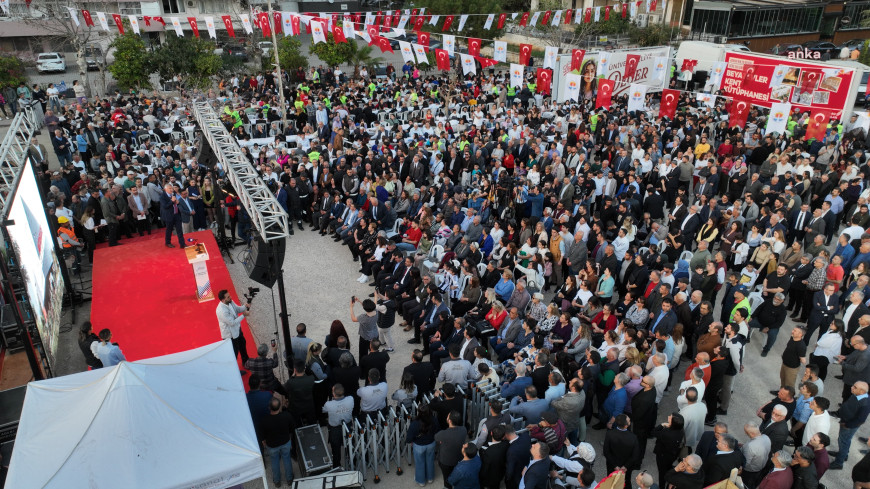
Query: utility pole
[(281, 98)]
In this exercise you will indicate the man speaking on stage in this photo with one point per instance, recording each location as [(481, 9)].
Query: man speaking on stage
[(230, 316)]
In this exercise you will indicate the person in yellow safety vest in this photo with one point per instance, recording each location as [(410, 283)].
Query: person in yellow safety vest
[(532, 86), (237, 119), (434, 93), (327, 103), (70, 243), (315, 155), (593, 121)]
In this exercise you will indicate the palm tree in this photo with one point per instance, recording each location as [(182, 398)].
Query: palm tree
[(362, 56)]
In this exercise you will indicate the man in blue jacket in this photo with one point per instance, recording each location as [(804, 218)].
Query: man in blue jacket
[(170, 214), (466, 475)]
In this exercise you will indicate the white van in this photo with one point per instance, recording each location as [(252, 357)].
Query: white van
[(706, 53)]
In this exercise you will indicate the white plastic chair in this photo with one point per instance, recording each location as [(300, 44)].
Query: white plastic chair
[(481, 269), (759, 289), (435, 255), (395, 230), (662, 245), (643, 250), (686, 255), (755, 300)]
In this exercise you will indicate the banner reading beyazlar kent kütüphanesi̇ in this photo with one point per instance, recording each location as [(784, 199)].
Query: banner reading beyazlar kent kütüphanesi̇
[(806, 85), (645, 73)]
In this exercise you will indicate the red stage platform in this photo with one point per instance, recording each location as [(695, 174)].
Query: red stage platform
[(146, 294)]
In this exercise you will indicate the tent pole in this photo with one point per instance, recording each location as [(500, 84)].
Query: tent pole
[(265, 482)]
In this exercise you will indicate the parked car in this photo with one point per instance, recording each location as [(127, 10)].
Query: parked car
[(47, 62), (784, 49), (93, 57), (265, 47), (826, 49), (852, 44), (237, 50)]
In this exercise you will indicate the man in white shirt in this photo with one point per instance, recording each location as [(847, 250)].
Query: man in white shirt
[(660, 373), (693, 414), (697, 381), (230, 316), (820, 420)]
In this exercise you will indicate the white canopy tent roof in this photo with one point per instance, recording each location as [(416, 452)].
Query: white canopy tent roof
[(177, 421)]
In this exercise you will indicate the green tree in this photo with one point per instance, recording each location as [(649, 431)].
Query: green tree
[(332, 53), (652, 35), (361, 55), (11, 72), (289, 54), (192, 59), (132, 65), (474, 25), (864, 57)]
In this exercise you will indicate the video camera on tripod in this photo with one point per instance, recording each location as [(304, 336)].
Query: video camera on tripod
[(252, 292)]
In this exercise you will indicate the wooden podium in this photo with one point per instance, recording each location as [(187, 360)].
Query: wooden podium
[(197, 255)]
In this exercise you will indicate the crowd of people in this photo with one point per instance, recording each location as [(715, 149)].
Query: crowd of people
[(575, 256)]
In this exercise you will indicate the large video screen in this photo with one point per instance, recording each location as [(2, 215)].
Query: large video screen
[(34, 246)]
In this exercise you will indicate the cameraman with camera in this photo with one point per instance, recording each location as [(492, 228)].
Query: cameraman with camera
[(230, 316)]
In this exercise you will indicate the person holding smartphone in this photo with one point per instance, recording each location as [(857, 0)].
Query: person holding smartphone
[(230, 316)]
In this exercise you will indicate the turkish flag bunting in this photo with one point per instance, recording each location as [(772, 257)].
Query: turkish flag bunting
[(544, 78), (652, 5), (523, 20), (418, 22), (607, 12), (160, 19), (473, 46), (263, 18), (294, 21), (587, 15), (631, 62), (485, 62), (193, 26), (689, 65), (501, 19), (624, 10), (118, 22), (89, 21), (447, 21), (414, 13), (338, 33), (525, 54), (738, 113), (357, 18), (577, 59), (388, 21), (228, 23), (546, 19), (605, 93), (568, 14), (442, 59), (396, 16), (668, 107), (817, 126), (748, 80), (279, 29), (423, 40), (384, 44), (810, 80), (378, 17), (374, 33)]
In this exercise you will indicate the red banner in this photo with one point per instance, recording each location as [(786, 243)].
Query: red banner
[(607, 12), (423, 40), (738, 113), (668, 107), (546, 19), (544, 79), (501, 19), (485, 62), (228, 23), (624, 10), (473, 46), (418, 22), (525, 54), (384, 44), (294, 21), (652, 5), (442, 59), (279, 23), (388, 21), (193, 26), (631, 61), (689, 65), (568, 14), (605, 93), (577, 59), (263, 19), (89, 21), (160, 19), (338, 33), (817, 126), (378, 17), (447, 22), (119, 23), (523, 20)]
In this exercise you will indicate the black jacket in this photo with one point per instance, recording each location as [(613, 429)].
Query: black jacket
[(718, 467), (492, 465), (643, 411), (621, 449), (668, 442), (424, 377), (778, 433), (804, 477), (517, 458)]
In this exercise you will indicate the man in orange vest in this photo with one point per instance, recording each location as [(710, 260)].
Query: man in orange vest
[(66, 236)]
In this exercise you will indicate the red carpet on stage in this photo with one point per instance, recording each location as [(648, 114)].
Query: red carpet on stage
[(146, 294)]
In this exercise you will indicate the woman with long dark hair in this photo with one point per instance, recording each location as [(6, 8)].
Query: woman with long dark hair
[(670, 439), (336, 329), (421, 433)]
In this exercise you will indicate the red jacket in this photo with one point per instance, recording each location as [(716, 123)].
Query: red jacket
[(781, 479)]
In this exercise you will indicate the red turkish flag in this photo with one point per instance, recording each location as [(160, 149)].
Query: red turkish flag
[(577, 58), (523, 20), (545, 77), (418, 23), (652, 5), (473, 46), (447, 22), (119, 23), (89, 21), (605, 93), (374, 32), (810, 80), (689, 65), (546, 19), (384, 44), (485, 62), (357, 18), (338, 33), (631, 62), (423, 40), (414, 12), (442, 59), (396, 16), (568, 14), (193, 26), (668, 107), (388, 21), (624, 10), (160, 19), (279, 29), (817, 126), (294, 21), (378, 17), (607, 12), (738, 113), (587, 16), (501, 19), (263, 19), (228, 23), (748, 80), (525, 54)]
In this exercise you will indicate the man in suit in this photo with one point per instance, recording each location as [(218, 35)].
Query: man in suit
[(643, 411), (541, 374), (852, 413), (826, 305), (422, 372), (621, 447), (678, 213), (469, 343), (856, 365), (665, 320), (112, 213), (854, 311), (493, 457), (521, 151), (815, 226), (799, 220), (719, 466), (137, 202), (622, 163), (170, 214), (689, 227), (781, 477), (566, 193), (777, 428), (185, 206), (704, 188), (38, 154), (517, 457), (537, 474), (437, 313), (654, 203)]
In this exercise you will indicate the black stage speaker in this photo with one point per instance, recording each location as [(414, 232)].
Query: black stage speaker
[(264, 260), (206, 156)]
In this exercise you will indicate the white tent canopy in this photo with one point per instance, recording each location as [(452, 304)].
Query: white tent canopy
[(177, 421)]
